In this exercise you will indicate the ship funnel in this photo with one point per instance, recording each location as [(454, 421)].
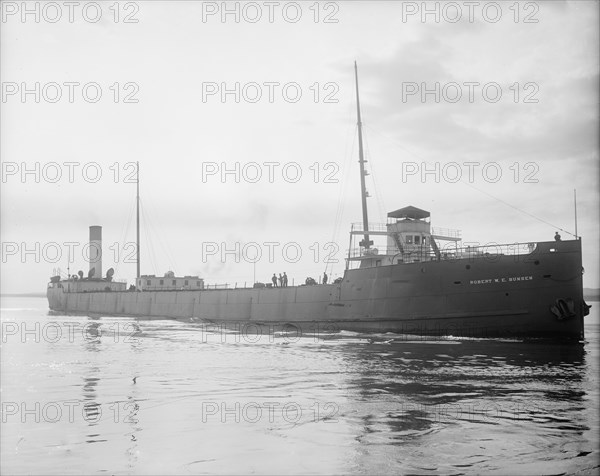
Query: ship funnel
[(95, 253)]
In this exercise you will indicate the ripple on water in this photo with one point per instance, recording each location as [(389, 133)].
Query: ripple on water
[(161, 397)]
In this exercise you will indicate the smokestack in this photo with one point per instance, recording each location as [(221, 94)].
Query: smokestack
[(96, 251)]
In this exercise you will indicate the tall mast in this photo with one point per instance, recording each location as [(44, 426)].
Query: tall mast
[(575, 203), (366, 243), (137, 200)]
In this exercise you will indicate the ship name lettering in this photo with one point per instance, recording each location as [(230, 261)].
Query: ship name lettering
[(481, 281), (512, 279)]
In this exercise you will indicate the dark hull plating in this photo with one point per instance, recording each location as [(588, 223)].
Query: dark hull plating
[(486, 296)]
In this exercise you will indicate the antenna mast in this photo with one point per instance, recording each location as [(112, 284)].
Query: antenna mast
[(366, 243), (575, 203), (137, 199)]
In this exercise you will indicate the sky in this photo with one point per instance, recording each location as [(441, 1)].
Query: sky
[(242, 116)]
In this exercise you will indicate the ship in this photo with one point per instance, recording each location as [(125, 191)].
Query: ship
[(420, 283)]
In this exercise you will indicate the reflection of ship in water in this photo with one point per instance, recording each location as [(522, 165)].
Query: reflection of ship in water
[(92, 410), (406, 392), (419, 282), (98, 408)]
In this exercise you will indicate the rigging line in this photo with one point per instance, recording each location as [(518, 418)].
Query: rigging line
[(350, 132), (339, 204), (479, 190), (339, 197), (343, 187), (149, 242), (518, 209), (342, 190), (155, 234), (395, 141), (163, 245), (123, 236), (378, 197), (145, 238), (149, 227)]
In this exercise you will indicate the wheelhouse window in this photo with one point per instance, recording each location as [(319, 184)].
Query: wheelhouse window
[(162, 281), (417, 240), (409, 239)]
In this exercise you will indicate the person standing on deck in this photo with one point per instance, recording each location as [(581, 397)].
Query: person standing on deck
[(274, 279), (285, 280), (280, 280), (325, 278), (557, 236)]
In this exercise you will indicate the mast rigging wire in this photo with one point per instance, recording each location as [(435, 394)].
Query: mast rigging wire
[(479, 190)]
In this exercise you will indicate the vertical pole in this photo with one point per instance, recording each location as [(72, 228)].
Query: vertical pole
[(349, 249), (361, 160), (575, 202), (138, 222), (68, 269)]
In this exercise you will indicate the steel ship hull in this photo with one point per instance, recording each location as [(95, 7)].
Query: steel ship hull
[(479, 297)]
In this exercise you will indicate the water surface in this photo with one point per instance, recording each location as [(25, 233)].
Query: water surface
[(110, 395)]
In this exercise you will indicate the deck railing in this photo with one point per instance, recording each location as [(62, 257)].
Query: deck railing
[(449, 232), (447, 252), (382, 227), (372, 227)]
